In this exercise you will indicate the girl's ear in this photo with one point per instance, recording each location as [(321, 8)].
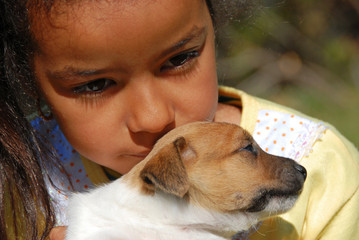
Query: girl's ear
[(166, 171)]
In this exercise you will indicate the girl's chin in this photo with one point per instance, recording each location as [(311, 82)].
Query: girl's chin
[(126, 162)]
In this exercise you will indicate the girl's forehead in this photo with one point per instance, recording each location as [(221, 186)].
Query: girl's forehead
[(61, 12), (95, 15), (134, 34)]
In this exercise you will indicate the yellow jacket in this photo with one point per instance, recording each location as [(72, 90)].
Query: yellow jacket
[(328, 207)]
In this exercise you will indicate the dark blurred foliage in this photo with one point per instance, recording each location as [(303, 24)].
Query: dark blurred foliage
[(299, 53)]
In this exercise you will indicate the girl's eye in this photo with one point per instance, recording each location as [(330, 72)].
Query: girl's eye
[(96, 86), (179, 60)]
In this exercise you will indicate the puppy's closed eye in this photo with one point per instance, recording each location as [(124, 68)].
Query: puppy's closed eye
[(250, 148)]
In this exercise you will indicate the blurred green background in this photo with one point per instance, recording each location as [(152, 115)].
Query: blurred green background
[(299, 53)]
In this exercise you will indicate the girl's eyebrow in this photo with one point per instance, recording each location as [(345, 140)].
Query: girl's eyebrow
[(69, 72), (194, 33)]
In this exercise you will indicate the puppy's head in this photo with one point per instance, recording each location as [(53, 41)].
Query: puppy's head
[(220, 167)]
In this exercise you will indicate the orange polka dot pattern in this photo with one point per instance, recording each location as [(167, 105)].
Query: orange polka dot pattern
[(59, 187), (286, 135)]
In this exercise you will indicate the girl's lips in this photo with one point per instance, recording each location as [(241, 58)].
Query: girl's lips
[(137, 155)]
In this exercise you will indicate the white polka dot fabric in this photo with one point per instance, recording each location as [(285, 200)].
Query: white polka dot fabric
[(286, 135)]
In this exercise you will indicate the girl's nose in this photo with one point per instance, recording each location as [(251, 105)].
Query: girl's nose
[(150, 109)]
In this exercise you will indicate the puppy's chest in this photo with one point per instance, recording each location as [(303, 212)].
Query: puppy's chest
[(121, 201)]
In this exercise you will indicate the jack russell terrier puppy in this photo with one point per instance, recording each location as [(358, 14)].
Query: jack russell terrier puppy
[(201, 181)]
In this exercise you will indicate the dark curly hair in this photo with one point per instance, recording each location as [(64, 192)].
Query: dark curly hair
[(25, 207)]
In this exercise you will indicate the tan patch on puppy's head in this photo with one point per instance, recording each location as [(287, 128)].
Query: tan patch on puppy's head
[(218, 166), (231, 172)]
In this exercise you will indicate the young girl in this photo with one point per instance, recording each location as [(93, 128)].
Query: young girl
[(118, 75)]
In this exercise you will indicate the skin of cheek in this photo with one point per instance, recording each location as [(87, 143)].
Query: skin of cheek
[(100, 132)]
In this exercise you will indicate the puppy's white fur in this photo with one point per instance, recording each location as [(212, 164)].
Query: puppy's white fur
[(120, 212), (129, 209)]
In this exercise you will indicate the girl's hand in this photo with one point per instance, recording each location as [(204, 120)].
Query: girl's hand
[(58, 233)]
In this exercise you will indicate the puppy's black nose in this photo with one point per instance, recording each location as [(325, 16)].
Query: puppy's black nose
[(301, 169)]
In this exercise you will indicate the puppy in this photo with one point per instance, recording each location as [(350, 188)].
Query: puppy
[(202, 181)]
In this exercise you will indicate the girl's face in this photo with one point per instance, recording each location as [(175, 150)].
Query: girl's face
[(120, 74)]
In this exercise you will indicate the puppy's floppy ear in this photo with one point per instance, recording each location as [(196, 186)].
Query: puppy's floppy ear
[(166, 170)]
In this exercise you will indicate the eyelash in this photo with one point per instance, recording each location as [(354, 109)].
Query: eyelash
[(86, 88), (181, 65), (180, 61)]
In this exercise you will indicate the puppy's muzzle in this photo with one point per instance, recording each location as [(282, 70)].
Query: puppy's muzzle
[(289, 184)]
